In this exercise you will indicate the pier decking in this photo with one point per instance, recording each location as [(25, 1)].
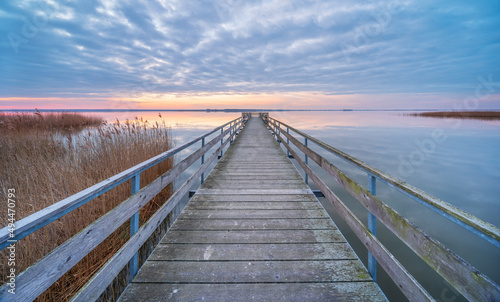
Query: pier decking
[(253, 231)]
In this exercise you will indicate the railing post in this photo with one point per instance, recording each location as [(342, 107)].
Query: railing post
[(372, 227), (287, 142), (231, 133), (221, 141), (134, 226), (203, 160), (306, 161), (278, 131)]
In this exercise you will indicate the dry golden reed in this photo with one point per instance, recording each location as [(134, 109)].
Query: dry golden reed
[(478, 115), (47, 121), (45, 165)]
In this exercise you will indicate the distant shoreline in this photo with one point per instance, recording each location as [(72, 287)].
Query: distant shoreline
[(424, 111), (482, 115)]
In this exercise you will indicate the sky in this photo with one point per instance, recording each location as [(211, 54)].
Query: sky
[(269, 54)]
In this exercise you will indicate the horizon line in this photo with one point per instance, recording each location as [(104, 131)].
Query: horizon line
[(224, 110)]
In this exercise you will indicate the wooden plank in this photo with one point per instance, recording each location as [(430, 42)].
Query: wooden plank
[(253, 252), (231, 214), (253, 185), (254, 205), (254, 191), (283, 169), (254, 198), (262, 168), (464, 277), (252, 224), (263, 178), (263, 159), (252, 271), (276, 164), (275, 174), (279, 292), (230, 181), (258, 236)]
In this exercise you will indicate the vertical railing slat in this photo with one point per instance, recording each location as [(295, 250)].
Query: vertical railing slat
[(134, 226), (278, 130), (287, 141), (306, 161), (231, 133), (372, 227), (202, 160), (221, 142)]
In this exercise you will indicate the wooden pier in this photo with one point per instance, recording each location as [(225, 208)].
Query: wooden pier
[(253, 231)]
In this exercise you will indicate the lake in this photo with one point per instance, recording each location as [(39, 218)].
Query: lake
[(455, 160)]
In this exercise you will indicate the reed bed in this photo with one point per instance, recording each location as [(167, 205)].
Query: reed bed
[(47, 121), (480, 115), (45, 165)]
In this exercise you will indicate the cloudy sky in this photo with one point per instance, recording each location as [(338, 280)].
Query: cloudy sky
[(250, 54)]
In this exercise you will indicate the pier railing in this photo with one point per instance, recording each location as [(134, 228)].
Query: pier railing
[(40, 276), (470, 282)]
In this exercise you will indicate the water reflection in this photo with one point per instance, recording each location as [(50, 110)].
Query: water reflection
[(174, 119), (321, 119)]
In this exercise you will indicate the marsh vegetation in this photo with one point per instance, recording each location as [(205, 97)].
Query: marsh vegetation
[(478, 115), (48, 157)]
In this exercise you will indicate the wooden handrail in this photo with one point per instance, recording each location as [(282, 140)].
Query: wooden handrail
[(37, 278), (103, 278), (35, 221), (405, 281), (483, 229), (465, 278)]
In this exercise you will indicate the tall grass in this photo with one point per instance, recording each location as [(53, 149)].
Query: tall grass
[(47, 121), (45, 165), (478, 115)]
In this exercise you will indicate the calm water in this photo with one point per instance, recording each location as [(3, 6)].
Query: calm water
[(455, 160)]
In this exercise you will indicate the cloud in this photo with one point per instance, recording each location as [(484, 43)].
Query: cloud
[(121, 49)]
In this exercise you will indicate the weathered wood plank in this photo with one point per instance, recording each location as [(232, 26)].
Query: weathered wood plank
[(254, 191), (253, 185), (284, 169), (263, 178), (231, 214), (258, 236), (275, 174), (252, 271), (231, 181), (280, 292), (254, 198), (254, 205), (252, 224), (253, 252), (254, 164)]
